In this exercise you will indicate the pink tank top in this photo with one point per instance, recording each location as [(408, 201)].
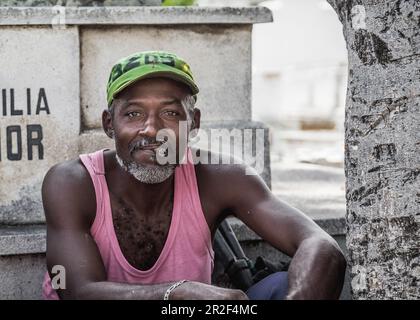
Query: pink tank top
[(187, 253)]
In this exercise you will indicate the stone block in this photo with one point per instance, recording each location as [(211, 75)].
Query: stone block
[(223, 75), (43, 3), (93, 140), (39, 109), (21, 276), (22, 261), (22, 239), (133, 15)]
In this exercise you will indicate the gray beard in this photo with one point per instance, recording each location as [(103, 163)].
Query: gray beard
[(150, 175)]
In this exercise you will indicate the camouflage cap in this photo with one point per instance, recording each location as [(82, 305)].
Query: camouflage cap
[(148, 64)]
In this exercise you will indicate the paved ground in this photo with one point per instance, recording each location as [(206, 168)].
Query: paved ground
[(314, 189), (307, 171)]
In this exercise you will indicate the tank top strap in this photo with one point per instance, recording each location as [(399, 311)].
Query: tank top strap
[(94, 164), (188, 183)]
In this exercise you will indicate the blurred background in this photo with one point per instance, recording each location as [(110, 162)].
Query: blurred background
[(299, 79)]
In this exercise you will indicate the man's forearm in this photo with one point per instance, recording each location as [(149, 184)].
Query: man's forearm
[(316, 270), (120, 291)]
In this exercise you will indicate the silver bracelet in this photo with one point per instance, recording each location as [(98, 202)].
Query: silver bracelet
[(171, 288)]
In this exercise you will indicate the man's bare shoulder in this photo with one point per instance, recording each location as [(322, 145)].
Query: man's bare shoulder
[(67, 190), (232, 178), (67, 175)]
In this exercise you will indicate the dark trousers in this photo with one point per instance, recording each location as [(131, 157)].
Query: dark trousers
[(272, 287)]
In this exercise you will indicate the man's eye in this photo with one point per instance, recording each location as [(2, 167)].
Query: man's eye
[(171, 113), (133, 114)]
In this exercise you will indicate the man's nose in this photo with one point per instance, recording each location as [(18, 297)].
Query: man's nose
[(151, 126)]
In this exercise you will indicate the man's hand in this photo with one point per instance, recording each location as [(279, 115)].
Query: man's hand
[(192, 290)]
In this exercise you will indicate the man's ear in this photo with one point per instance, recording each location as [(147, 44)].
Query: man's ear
[(196, 119), (107, 124), (195, 124)]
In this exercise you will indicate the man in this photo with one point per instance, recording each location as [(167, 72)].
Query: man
[(124, 225)]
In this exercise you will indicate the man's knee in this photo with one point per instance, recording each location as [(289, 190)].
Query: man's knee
[(272, 287)]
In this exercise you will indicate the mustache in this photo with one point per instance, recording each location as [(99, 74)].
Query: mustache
[(144, 142)]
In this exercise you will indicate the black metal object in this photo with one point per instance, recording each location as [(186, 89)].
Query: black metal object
[(241, 271), (230, 254)]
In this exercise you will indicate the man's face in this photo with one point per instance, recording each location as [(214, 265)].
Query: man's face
[(140, 111)]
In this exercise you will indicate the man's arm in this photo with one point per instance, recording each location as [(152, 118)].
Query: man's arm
[(318, 265), (70, 206)]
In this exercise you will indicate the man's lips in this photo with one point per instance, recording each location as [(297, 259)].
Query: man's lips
[(149, 152), (150, 147), (144, 148)]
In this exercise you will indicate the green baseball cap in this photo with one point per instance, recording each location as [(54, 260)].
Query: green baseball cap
[(148, 64)]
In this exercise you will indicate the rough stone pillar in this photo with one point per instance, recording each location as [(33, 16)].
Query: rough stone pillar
[(382, 146)]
